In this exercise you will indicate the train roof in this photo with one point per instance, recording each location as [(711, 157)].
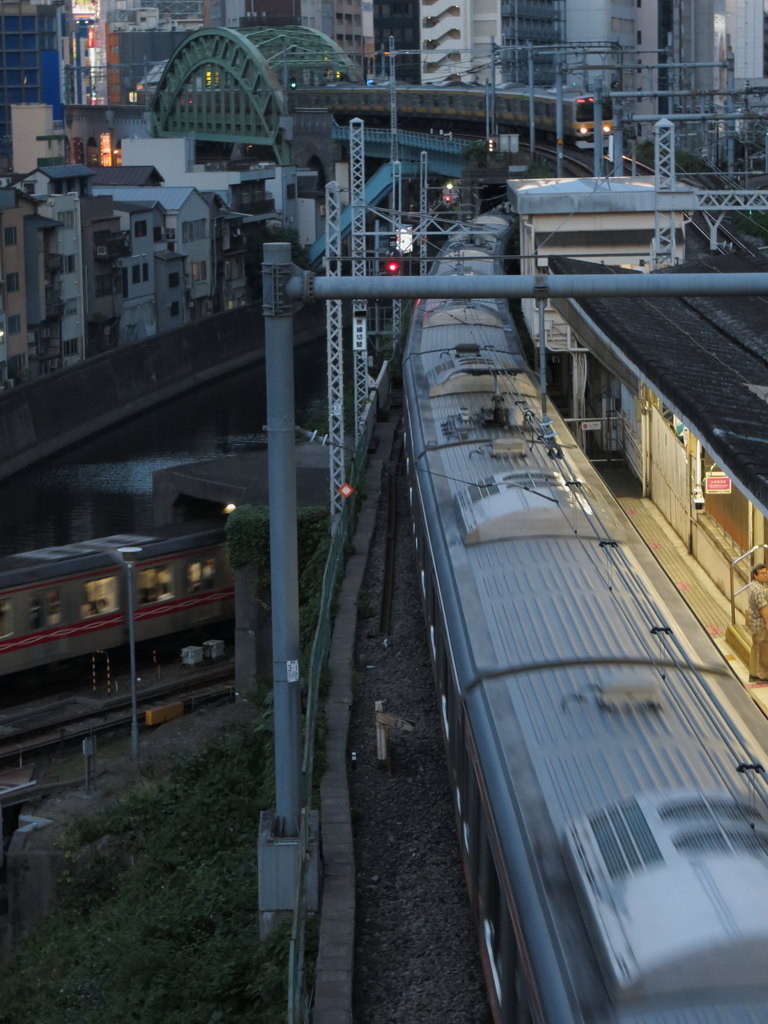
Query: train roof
[(621, 749), (45, 564)]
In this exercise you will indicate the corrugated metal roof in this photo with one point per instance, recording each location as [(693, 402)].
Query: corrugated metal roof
[(707, 358), (128, 176), (171, 196), (57, 172)]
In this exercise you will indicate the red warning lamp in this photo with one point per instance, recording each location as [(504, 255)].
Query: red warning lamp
[(392, 267)]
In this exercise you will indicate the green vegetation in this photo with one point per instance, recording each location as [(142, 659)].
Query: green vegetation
[(157, 920), (158, 917), (254, 253), (754, 223)]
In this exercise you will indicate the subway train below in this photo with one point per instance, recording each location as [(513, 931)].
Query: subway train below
[(61, 603)]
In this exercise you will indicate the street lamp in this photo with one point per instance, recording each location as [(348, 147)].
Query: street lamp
[(129, 555)]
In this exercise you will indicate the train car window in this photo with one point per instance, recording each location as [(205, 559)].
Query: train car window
[(99, 597), (155, 584), (52, 607), (6, 619), (35, 613), (201, 575), (584, 109)]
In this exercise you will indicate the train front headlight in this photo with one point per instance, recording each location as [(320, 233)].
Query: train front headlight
[(606, 129), (583, 130)]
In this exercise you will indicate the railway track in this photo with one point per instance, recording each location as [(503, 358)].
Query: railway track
[(54, 725)]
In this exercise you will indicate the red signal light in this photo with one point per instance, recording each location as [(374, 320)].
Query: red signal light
[(392, 266)]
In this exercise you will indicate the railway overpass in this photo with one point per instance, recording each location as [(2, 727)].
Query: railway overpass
[(241, 88)]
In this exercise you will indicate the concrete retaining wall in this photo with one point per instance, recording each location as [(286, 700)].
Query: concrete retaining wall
[(48, 415)]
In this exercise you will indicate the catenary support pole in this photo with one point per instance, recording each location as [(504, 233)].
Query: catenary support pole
[(278, 333)]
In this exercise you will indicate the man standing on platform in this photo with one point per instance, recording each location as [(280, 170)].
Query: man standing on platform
[(758, 623)]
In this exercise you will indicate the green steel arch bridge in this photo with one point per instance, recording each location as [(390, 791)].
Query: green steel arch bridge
[(232, 86)]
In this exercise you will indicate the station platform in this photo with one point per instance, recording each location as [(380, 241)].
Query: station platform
[(708, 604)]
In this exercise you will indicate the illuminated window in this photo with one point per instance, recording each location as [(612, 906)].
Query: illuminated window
[(52, 607), (99, 597), (155, 584), (201, 575)]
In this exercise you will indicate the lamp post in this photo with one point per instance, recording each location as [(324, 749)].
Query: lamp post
[(129, 555)]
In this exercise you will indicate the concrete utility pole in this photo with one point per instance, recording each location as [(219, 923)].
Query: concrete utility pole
[(281, 451), (279, 853)]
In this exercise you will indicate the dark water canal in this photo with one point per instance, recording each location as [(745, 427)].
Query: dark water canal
[(104, 486)]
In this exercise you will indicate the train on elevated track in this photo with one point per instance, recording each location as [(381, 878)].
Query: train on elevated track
[(463, 109), (605, 763), (60, 603)]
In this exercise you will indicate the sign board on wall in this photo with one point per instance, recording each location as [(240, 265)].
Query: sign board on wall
[(717, 483)]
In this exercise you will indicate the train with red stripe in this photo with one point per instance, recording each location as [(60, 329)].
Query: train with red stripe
[(60, 603)]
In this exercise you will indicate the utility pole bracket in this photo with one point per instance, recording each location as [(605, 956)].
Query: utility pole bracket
[(276, 298)]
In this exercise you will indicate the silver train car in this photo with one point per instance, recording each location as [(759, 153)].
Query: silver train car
[(606, 766), (462, 108), (60, 603)]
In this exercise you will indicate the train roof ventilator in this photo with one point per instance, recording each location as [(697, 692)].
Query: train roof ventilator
[(676, 890)]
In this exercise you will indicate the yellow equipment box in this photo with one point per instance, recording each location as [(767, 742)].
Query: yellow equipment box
[(164, 713)]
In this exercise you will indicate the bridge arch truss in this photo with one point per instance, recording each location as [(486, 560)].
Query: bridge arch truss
[(228, 85)]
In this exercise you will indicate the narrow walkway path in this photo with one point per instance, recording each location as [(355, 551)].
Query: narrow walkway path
[(708, 604), (335, 961)]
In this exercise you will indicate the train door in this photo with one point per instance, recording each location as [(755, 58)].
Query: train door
[(44, 609)]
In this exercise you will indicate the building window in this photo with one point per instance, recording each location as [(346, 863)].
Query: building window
[(174, 309), (140, 229), (69, 264), (157, 233), (144, 271), (14, 324), (173, 279), (66, 218), (193, 230), (136, 273), (200, 271), (69, 346), (12, 282), (9, 236), (103, 285)]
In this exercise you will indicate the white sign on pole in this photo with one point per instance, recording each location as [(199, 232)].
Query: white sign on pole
[(359, 333)]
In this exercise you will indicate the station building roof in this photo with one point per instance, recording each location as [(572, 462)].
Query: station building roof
[(706, 357), (568, 196)]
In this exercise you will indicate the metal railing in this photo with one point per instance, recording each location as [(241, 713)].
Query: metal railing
[(298, 1002)]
